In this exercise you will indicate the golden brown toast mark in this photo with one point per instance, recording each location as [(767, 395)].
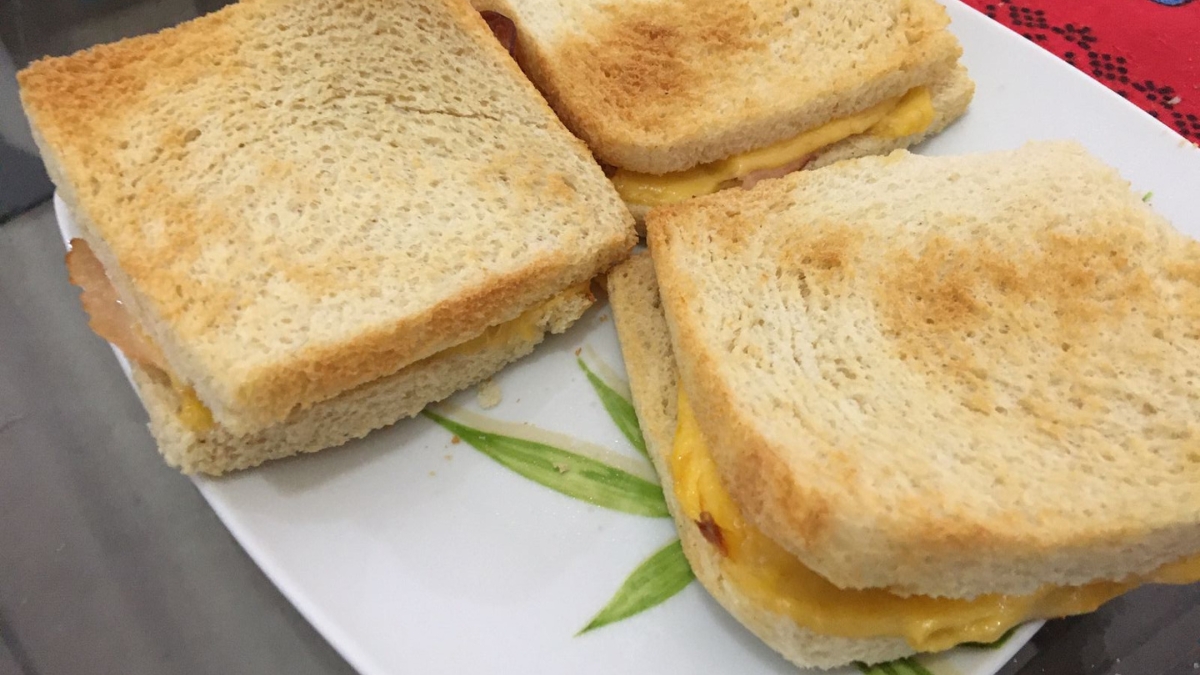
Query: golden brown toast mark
[(642, 59), (832, 250), (958, 314), (937, 304)]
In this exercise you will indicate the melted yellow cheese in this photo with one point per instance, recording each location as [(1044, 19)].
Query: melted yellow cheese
[(913, 114), (192, 412), (524, 327), (194, 415), (779, 582), (894, 118)]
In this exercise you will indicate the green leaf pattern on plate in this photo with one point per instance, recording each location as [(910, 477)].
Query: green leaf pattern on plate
[(906, 666), (619, 409), (566, 472), (911, 666), (661, 576), (993, 645)]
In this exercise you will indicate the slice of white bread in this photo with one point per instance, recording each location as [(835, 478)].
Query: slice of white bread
[(950, 96), (663, 85), (945, 375), (650, 362), (353, 413), (298, 197)]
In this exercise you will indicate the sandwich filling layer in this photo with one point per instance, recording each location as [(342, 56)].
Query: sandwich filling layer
[(896, 117), (111, 320), (779, 582)]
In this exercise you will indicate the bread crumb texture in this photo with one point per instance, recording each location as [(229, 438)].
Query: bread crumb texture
[(488, 394), (299, 196), (946, 375)]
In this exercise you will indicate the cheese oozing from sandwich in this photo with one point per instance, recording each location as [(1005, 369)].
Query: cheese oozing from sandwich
[(893, 118), (524, 327), (777, 581), (192, 412)]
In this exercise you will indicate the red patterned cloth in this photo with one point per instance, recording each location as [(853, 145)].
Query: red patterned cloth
[(1145, 50)]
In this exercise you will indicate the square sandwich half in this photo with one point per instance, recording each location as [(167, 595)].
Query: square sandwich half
[(306, 219)]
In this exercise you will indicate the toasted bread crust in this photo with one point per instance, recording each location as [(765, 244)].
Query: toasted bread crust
[(663, 85), (267, 203), (352, 414), (649, 360), (974, 362)]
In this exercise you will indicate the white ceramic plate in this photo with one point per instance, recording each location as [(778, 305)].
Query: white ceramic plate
[(413, 554)]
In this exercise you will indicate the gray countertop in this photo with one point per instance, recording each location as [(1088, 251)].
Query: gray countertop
[(113, 563)]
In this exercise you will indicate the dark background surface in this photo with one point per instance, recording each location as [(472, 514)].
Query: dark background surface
[(110, 562), (30, 29)]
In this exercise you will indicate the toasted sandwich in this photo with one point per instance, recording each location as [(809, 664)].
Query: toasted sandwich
[(304, 219), (683, 98), (904, 403)]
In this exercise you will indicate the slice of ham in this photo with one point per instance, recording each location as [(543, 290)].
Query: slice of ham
[(108, 316), (503, 28), (751, 179)]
